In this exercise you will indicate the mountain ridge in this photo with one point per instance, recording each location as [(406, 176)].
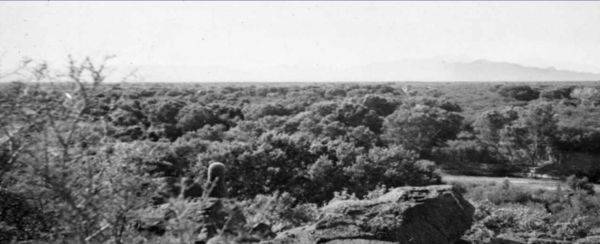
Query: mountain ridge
[(401, 70)]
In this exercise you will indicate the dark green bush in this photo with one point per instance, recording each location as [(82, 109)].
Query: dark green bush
[(279, 210), (583, 140), (193, 117), (381, 105), (165, 111), (20, 220), (580, 184), (313, 171), (354, 115), (258, 111), (421, 128), (557, 93), (506, 193), (519, 92)]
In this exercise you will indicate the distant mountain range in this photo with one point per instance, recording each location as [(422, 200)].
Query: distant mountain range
[(481, 70), (434, 69)]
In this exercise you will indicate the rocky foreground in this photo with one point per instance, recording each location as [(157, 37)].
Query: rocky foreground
[(432, 215), (406, 215)]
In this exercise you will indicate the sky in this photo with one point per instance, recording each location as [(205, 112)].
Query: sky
[(336, 35)]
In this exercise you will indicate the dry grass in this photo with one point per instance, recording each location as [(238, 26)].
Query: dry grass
[(532, 184)]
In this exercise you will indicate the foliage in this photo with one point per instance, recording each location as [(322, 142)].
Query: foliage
[(353, 115), (279, 210), (272, 163), (421, 127), (557, 93), (121, 117), (522, 135), (165, 111), (193, 117), (361, 136), (586, 95), (257, 111), (381, 105), (499, 194), (519, 92), (580, 184), (530, 137), (556, 214), (313, 171), (80, 157), (208, 133), (84, 188), (577, 140), (458, 155), (440, 103), (489, 124), (20, 219), (516, 218)]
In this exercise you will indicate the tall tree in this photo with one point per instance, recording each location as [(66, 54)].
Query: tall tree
[(531, 135), (421, 127)]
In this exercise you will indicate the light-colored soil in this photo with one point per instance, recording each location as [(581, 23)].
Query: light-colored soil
[(547, 184)]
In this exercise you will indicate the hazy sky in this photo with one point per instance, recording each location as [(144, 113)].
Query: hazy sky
[(248, 35)]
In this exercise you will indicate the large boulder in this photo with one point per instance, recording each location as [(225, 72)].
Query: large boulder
[(427, 215)]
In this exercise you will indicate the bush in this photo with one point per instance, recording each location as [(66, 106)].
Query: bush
[(557, 93), (421, 128), (519, 92), (279, 210), (491, 220), (506, 193), (363, 137), (556, 213), (21, 220), (440, 103), (516, 218), (121, 117), (354, 115), (257, 111), (582, 140), (573, 229), (274, 162), (580, 184), (381, 105), (165, 112), (208, 133), (335, 92), (458, 155), (499, 194), (193, 117), (586, 95), (313, 171)]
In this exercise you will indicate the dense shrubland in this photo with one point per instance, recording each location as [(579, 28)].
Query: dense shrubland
[(570, 211), (80, 156)]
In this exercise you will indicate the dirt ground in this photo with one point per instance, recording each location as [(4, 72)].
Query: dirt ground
[(547, 184)]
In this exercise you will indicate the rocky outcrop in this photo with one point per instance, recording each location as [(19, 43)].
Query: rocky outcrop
[(427, 215)]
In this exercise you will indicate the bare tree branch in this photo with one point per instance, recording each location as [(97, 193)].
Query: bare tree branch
[(22, 66)]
